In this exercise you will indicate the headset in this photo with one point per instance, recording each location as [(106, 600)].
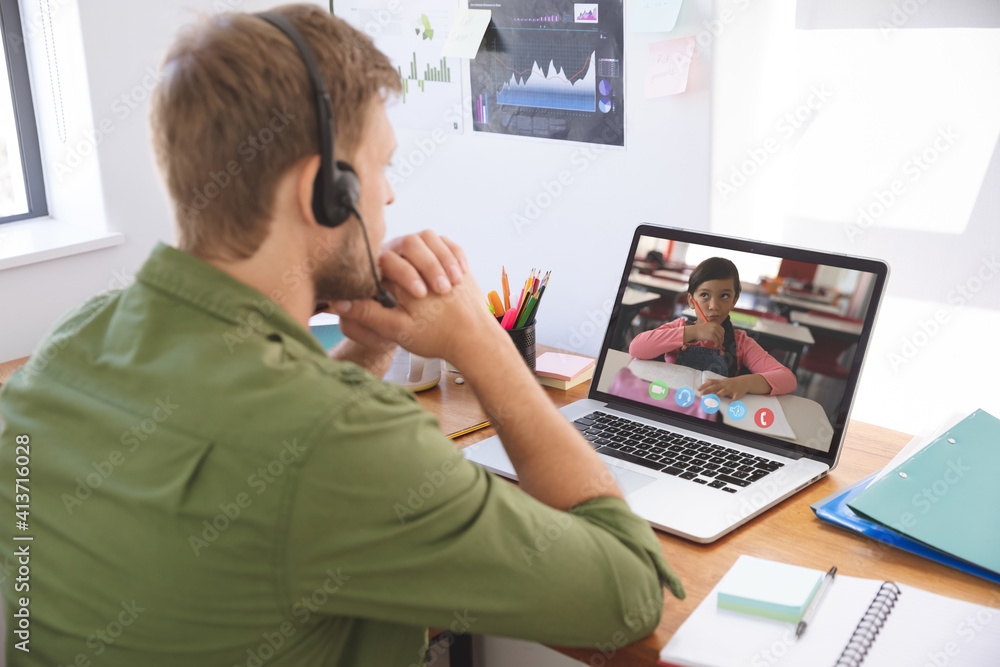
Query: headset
[(337, 188)]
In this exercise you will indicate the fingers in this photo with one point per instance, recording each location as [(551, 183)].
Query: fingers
[(388, 323), (458, 252), (398, 270), (434, 261)]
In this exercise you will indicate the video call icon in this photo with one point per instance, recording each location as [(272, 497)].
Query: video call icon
[(658, 390)]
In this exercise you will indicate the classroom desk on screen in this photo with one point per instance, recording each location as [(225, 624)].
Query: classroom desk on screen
[(828, 325), (788, 532)]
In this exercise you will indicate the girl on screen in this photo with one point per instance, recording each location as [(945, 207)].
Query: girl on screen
[(712, 344)]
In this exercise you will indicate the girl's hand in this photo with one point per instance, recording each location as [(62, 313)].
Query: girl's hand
[(734, 388), (708, 331)]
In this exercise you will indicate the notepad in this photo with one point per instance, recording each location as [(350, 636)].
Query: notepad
[(562, 366), (769, 589), (859, 623)]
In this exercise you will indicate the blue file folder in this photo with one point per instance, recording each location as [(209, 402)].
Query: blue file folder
[(833, 509)]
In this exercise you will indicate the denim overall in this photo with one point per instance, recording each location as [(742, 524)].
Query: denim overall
[(703, 359)]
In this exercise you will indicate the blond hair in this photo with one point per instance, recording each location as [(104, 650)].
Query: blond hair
[(235, 109)]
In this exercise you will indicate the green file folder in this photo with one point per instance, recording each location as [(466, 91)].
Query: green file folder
[(946, 495)]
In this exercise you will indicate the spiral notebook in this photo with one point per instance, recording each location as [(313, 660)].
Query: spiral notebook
[(860, 623)]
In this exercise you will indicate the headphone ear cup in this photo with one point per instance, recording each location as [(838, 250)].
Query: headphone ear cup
[(334, 199), (347, 186)]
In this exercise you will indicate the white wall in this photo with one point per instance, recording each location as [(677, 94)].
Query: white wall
[(583, 236)]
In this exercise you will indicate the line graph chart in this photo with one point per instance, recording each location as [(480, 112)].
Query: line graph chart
[(551, 89)]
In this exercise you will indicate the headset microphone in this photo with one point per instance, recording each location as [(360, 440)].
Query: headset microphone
[(383, 296), (337, 188)]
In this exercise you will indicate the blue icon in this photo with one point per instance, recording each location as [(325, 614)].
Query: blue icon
[(737, 410), (684, 396), (710, 404)]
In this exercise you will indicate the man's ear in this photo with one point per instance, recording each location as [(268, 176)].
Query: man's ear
[(304, 189)]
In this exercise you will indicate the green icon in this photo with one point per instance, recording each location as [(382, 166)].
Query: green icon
[(658, 390), (423, 27)]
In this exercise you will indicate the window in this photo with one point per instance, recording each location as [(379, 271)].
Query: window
[(22, 190)]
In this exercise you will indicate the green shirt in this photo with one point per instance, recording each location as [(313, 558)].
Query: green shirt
[(207, 487)]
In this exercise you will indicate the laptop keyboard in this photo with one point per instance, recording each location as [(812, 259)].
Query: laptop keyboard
[(701, 462)]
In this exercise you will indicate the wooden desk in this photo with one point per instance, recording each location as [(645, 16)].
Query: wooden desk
[(788, 532), (658, 285), (791, 303), (671, 275), (829, 325)]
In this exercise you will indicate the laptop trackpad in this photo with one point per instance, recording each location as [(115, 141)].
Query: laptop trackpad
[(628, 480)]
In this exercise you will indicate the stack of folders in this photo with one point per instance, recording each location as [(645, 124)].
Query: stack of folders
[(938, 498), (563, 371), (858, 623)]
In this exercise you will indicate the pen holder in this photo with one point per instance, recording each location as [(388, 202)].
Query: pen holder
[(524, 341)]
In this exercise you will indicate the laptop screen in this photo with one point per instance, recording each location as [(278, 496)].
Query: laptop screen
[(757, 343)]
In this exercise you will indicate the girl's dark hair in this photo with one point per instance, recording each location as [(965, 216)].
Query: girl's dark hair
[(720, 268)]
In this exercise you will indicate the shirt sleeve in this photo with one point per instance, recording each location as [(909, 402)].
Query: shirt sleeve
[(420, 536), (757, 360), (664, 339)]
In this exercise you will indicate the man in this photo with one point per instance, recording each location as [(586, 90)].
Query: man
[(208, 487)]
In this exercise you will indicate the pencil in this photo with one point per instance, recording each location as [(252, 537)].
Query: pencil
[(506, 289), (698, 308)]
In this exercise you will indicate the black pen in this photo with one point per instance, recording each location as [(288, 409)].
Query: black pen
[(811, 609)]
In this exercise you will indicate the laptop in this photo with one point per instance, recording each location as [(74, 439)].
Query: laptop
[(693, 463)]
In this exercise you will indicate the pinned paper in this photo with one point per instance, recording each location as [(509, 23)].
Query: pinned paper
[(655, 15), (669, 63), (467, 33)]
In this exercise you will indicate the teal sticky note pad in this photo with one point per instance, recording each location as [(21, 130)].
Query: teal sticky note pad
[(769, 589)]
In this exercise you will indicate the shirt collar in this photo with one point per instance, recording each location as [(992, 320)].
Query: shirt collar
[(199, 283)]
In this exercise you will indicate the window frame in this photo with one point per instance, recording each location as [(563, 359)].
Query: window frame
[(24, 112)]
